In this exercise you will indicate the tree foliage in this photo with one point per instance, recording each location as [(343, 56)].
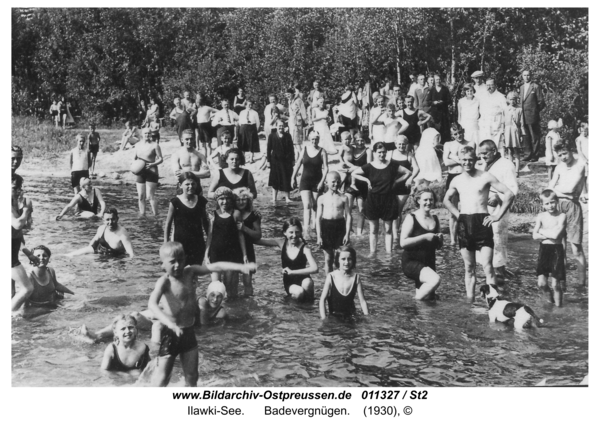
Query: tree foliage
[(109, 59)]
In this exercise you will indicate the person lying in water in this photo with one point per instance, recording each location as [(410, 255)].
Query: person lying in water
[(46, 288), (126, 353), (87, 201), (111, 238), (211, 307)]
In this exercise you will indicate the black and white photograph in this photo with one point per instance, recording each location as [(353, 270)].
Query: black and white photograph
[(315, 197)]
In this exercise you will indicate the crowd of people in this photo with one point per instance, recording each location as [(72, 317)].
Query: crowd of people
[(389, 151)]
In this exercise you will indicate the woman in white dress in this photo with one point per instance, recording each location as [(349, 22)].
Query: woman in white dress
[(468, 114), (320, 118), (427, 159)]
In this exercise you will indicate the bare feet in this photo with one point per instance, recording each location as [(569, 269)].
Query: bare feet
[(83, 334)]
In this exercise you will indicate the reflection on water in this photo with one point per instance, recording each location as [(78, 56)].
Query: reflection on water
[(270, 341)]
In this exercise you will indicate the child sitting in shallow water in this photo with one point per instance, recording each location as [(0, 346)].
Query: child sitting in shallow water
[(46, 288), (211, 306), (342, 285), (126, 353)]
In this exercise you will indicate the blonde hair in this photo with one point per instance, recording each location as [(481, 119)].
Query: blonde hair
[(123, 317), (245, 192)]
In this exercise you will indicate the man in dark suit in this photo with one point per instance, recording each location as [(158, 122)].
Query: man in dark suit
[(532, 102)]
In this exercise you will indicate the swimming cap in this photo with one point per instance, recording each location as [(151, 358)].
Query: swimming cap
[(216, 287), (223, 191)]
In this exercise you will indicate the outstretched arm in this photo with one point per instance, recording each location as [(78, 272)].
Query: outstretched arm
[(244, 268), (69, 206), (270, 242)]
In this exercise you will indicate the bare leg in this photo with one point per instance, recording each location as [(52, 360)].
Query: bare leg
[(151, 191), (20, 277), (373, 235), (309, 288), (557, 289), (543, 286), (247, 281), (580, 263), (328, 254), (307, 203), (189, 363), (397, 222), (430, 281), (313, 206), (163, 371), (470, 280), (274, 192), (388, 235), (94, 154), (286, 195), (141, 190), (231, 280), (360, 223), (487, 254)]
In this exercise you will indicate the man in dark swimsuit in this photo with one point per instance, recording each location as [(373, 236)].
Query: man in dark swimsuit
[(111, 238), (474, 222)]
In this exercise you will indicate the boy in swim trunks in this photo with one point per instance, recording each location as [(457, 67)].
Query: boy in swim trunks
[(474, 222), (79, 160), (334, 221), (569, 184), (94, 146), (178, 313), (550, 226)]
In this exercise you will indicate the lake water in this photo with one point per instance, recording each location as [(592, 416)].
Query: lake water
[(269, 341)]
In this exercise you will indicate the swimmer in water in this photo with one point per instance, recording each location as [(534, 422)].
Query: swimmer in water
[(211, 307), (89, 200), (126, 353), (111, 238), (46, 288)]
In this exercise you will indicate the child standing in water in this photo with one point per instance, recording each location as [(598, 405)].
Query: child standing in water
[(179, 310), (126, 353), (211, 307), (552, 138), (226, 242), (93, 146), (550, 227), (46, 288), (342, 285), (251, 229), (334, 221), (295, 255)]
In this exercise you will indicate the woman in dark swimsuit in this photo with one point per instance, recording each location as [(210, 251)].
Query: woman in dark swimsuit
[(86, 200), (420, 238), (251, 229), (415, 119), (233, 176), (315, 168), (381, 175), (295, 255), (187, 215), (127, 353), (402, 190), (359, 156)]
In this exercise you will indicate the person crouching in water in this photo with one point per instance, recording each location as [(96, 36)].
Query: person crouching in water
[(46, 288)]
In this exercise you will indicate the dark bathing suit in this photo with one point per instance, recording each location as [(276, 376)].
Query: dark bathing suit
[(294, 264), (224, 181), (249, 223), (171, 345), (381, 202), (332, 233), (312, 172), (147, 174), (414, 259), (188, 229), (103, 247), (338, 303), (16, 237), (363, 187), (77, 175), (117, 365), (84, 204), (472, 233), (225, 244), (413, 133), (401, 188), (551, 260)]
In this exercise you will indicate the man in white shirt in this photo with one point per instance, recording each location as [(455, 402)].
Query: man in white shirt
[(348, 110), (503, 170), (225, 119), (479, 84), (414, 85), (492, 110)]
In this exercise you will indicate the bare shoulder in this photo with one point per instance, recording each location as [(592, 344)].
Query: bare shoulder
[(163, 283)]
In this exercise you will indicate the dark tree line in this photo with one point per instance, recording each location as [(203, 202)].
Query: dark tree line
[(107, 60)]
